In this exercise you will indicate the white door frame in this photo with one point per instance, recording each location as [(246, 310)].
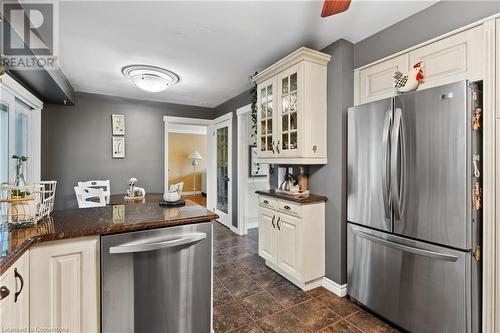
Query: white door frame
[(224, 120), (171, 122), (211, 153), (242, 165)]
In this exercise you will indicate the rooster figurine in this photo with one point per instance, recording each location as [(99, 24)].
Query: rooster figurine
[(410, 81)]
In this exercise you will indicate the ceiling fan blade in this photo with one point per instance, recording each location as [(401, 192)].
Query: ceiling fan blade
[(332, 7)]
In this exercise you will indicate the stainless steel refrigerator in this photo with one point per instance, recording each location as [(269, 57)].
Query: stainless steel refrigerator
[(414, 226)]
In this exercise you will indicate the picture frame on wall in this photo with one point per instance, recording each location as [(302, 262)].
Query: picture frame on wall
[(118, 124), (256, 169), (118, 147)]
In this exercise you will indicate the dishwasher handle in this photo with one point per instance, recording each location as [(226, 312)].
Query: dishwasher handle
[(157, 244)]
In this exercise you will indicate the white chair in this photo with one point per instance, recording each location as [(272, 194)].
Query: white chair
[(96, 184), (176, 187), (90, 197)]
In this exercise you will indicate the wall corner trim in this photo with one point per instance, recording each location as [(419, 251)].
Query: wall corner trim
[(334, 287)]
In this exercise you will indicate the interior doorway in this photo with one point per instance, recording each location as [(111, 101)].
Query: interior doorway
[(218, 161), (222, 141), (252, 176), (187, 160)]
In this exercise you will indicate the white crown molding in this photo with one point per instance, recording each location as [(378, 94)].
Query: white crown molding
[(303, 53)]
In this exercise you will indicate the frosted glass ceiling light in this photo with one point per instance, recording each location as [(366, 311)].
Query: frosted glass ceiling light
[(150, 78)]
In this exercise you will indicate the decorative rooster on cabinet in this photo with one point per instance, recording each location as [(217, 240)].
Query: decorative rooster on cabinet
[(410, 81)]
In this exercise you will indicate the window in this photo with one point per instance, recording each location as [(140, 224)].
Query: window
[(4, 143), (16, 136)]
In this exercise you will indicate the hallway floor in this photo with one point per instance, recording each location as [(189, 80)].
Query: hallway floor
[(250, 297)]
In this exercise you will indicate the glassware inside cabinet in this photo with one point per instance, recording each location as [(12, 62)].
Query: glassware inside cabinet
[(266, 114), (289, 111)]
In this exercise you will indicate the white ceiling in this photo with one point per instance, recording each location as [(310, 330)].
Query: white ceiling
[(213, 46)]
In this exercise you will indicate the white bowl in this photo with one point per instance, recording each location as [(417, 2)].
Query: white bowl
[(171, 196)]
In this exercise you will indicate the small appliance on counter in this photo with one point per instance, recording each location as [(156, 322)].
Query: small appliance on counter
[(291, 186)]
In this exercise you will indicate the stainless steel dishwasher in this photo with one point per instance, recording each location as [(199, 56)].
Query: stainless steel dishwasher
[(157, 280)]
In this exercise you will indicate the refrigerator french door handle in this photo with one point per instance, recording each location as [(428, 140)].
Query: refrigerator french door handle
[(406, 248), (386, 161), (397, 164)]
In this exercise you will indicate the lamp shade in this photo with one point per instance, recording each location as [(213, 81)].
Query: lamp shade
[(195, 155)]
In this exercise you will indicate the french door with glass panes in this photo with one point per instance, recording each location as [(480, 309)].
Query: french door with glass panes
[(289, 112), (223, 169), (266, 117)]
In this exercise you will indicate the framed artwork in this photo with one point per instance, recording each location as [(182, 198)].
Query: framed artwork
[(118, 147), (255, 169), (118, 123)]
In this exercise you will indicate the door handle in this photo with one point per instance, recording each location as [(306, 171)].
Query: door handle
[(20, 277), (157, 243), (272, 146), (278, 223), (272, 221), (4, 292), (386, 161), (278, 147), (397, 165), (406, 248)]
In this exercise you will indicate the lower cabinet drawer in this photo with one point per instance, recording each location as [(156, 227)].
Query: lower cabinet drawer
[(267, 202), (289, 208)]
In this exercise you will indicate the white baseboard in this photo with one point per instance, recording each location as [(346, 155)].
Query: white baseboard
[(337, 289)]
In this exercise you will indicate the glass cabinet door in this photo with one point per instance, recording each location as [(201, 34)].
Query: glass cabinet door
[(266, 118), (288, 138)]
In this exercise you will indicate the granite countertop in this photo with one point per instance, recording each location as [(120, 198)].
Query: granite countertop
[(303, 199), (119, 216)]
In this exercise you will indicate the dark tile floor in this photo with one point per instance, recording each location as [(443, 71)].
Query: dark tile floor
[(250, 297)]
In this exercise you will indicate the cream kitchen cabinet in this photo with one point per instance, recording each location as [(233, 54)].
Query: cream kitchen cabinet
[(292, 239), (65, 285), (455, 58), (292, 109), (14, 297), (377, 82), (450, 59)]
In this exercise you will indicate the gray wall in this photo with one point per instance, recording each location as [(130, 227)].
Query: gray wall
[(330, 179), (434, 21), (76, 143), (226, 107)]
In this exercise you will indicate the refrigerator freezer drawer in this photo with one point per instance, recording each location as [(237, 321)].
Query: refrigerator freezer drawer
[(417, 286)]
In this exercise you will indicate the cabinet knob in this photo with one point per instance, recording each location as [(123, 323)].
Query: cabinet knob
[(287, 207), (266, 202), (4, 292)]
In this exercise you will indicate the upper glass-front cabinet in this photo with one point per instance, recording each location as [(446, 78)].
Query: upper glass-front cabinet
[(288, 141), (292, 109), (266, 114)]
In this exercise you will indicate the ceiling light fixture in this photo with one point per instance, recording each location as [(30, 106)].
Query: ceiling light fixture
[(150, 78)]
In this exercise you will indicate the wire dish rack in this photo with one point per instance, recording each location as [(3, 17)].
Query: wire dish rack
[(23, 206)]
